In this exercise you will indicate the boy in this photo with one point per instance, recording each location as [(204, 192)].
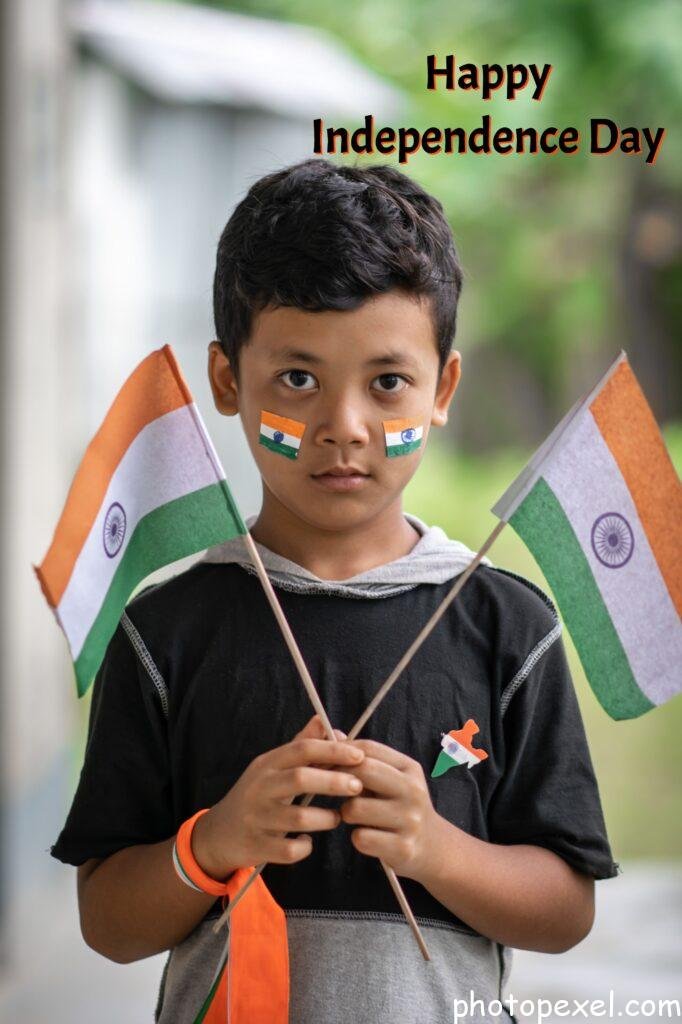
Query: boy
[(335, 299)]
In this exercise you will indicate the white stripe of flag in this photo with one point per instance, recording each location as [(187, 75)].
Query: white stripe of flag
[(165, 461), (587, 482), (289, 439), (396, 437)]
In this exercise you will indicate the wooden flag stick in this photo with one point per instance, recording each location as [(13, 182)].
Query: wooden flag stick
[(329, 730), (449, 597), (419, 640)]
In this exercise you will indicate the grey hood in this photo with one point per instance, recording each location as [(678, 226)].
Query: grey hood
[(435, 558)]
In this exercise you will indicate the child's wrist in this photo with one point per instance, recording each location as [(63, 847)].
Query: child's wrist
[(203, 849), (443, 843)]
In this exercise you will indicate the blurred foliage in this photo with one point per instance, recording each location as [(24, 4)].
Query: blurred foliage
[(640, 792), (543, 239), (566, 261)]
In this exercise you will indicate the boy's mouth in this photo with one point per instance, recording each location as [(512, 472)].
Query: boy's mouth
[(341, 478)]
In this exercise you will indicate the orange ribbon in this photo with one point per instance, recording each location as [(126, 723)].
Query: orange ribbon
[(255, 979), (251, 983)]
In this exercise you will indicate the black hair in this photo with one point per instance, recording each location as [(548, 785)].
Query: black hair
[(319, 236)]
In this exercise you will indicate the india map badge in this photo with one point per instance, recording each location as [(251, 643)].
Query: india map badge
[(280, 434), (402, 436), (458, 749)]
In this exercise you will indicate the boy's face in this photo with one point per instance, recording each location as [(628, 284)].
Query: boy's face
[(341, 374)]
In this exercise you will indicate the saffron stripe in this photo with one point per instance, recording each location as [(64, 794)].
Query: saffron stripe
[(629, 429), (154, 388), (282, 423), (395, 426), (167, 459), (587, 482)]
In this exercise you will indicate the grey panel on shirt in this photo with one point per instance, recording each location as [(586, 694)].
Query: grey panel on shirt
[(351, 969)]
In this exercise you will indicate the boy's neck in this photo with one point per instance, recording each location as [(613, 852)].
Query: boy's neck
[(333, 554)]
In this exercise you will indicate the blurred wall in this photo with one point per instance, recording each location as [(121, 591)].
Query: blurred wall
[(116, 185), (38, 398)]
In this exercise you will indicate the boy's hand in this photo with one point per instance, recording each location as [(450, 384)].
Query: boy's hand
[(395, 810), (249, 824)]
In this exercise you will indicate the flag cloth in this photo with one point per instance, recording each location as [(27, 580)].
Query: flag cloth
[(402, 436), (149, 490), (280, 434), (599, 505), (251, 982)]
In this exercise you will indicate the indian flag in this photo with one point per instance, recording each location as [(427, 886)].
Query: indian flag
[(458, 749), (149, 490), (402, 436), (600, 507), (280, 434)]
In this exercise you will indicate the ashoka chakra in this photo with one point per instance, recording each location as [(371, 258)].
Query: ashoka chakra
[(408, 435), (612, 540), (114, 529)]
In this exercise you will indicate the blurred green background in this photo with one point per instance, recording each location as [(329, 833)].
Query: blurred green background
[(638, 763), (567, 260)]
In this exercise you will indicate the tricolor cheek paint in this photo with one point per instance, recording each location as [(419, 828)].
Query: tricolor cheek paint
[(402, 436), (280, 434)]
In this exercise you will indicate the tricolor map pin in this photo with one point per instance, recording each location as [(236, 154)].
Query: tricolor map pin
[(458, 749)]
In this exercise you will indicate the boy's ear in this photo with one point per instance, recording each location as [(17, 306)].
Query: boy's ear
[(449, 379), (222, 380)]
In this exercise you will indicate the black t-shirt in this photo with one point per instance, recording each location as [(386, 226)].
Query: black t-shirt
[(197, 681)]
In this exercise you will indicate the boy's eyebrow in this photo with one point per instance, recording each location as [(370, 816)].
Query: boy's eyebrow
[(389, 359)]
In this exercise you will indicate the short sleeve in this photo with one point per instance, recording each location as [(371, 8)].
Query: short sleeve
[(124, 795), (548, 794)]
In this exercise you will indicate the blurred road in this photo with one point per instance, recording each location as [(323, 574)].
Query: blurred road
[(634, 949)]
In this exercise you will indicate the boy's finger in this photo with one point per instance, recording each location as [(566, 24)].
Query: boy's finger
[(382, 778), (314, 728), (292, 783), (307, 750), (382, 752)]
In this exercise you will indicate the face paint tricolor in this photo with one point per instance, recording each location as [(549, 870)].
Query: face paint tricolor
[(402, 436), (280, 434)]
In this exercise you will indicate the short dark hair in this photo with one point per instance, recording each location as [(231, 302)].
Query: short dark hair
[(319, 236)]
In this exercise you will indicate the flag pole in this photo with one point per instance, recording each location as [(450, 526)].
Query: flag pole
[(449, 597), (421, 637), (328, 728)]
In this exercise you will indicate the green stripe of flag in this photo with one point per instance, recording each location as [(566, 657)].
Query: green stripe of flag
[(179, 528), (214, 988), (281, 449), (542, 525), (403, 449), (178, 864)]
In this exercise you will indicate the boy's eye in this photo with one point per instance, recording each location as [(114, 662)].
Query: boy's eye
[(392, 382), (302, 380), (298, 379)]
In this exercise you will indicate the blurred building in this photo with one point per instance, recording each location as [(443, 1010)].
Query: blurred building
[(130, 130)]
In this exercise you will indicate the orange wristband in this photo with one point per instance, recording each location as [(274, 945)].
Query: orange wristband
[(186, 865)]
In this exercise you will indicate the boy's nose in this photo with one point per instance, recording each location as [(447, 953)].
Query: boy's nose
[(344, 422)]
